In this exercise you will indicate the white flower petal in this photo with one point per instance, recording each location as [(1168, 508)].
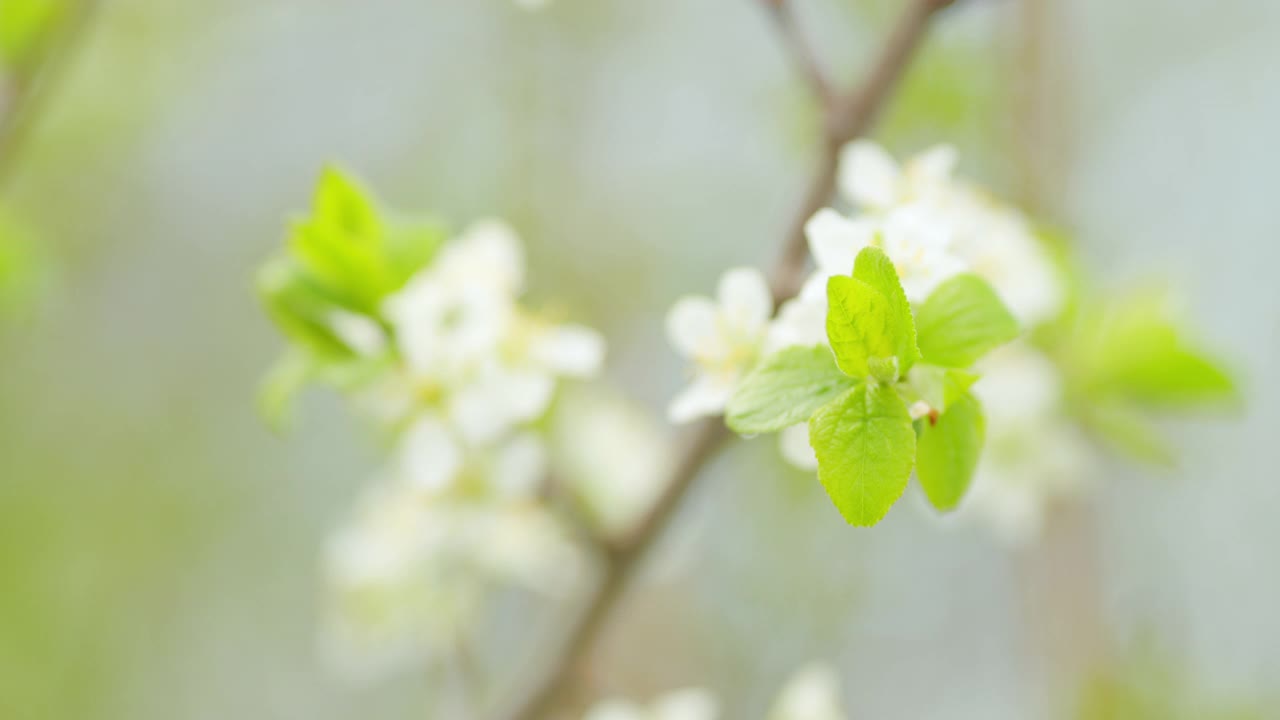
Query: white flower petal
[(691, 325), (745, 300), (360, 333), (933, 167), (572, 350), (691, 704), (704, 397), (812, 693), (519, 467), (799, 322), (498, 399), (795, 447), (488, 252), (429, 456), (835, 240), (869, 176)]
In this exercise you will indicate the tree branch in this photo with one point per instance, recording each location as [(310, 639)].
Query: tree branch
[(798, 47), (846, 118)]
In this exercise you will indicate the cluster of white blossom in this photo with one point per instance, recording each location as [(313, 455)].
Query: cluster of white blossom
[(931, 226), (458, 512), (812, 693)]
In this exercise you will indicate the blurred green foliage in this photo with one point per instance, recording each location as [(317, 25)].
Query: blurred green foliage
[(25, 27), (1149, 685), (346, 257), (23, 268)]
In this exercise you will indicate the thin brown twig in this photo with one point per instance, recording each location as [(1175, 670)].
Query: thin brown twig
[(32, 94), (846, 118), (797, 45)]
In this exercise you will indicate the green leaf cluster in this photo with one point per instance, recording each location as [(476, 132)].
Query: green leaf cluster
[(854, 393), (345, 257), (1125, 358)]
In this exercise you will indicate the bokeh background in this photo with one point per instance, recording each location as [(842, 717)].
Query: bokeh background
[(159, 544)]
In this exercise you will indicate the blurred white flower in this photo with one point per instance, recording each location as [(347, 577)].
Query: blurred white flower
[(1033, 455), (477, 365), (812, 693), (999, 245), (456, 311), (613, 455), (723, 337), (409, 575), (460, 517), (690, 704)]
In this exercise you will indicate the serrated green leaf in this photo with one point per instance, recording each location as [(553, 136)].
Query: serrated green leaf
[(961, 321), (874, 268), (947, 451), (858, 324), (785, 389), (866, 447)]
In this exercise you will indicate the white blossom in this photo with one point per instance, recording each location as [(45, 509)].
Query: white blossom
[(476, 365), (870, 177), (723, 337), (592, 429), (812, 693), (408, 575), (690, 704), (1000, 246), (458, 516), (1033, 456)]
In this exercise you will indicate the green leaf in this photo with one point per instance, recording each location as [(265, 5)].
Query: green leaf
[(300, 309), (341, 245), (342, 205), (961, 321), (874, 268), (1142, 355), (785, 389), (865, 446), (947, 451), (411, 246), (858, 324)]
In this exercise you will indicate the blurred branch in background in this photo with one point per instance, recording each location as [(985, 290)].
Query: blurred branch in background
[(40, 39), (846, 117)]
